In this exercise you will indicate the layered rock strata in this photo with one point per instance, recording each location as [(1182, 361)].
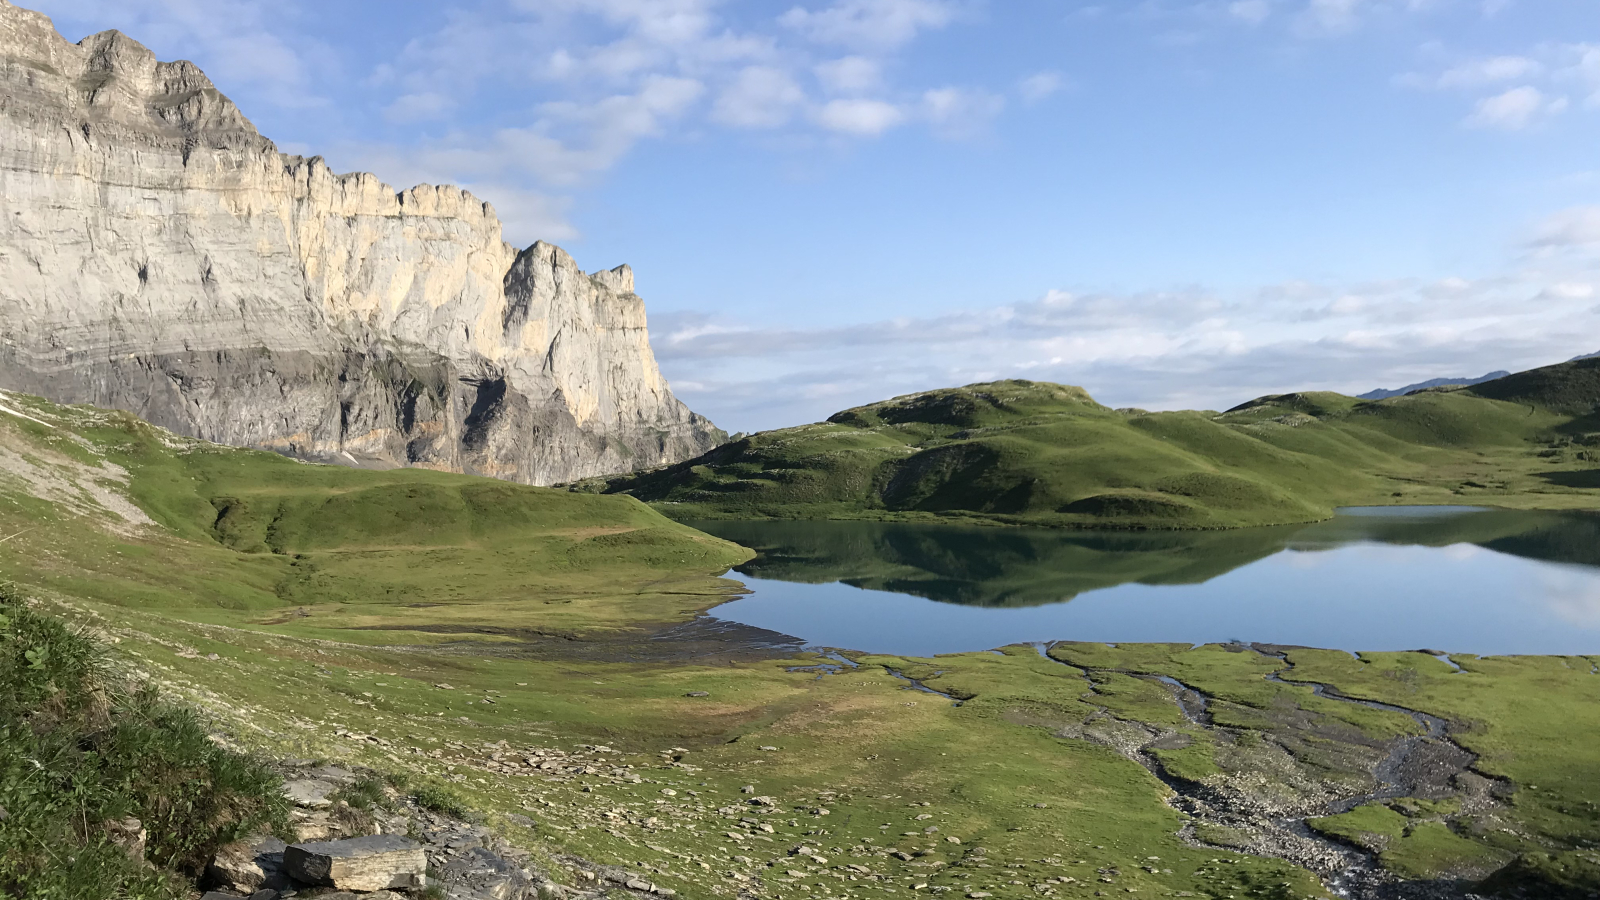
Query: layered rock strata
[(157, 254)]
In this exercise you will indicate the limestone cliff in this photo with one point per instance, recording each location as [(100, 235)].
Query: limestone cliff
[(159, 255)]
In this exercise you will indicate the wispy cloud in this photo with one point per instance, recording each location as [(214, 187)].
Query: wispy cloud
[(1577, 228), (1252, 11), (1041, 85), (604, 75), (1515, 109), (1189, 348), (1515, 91), (869, 23)]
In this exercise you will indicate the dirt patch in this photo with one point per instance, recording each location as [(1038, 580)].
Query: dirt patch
[(703, 640), (82, 489)]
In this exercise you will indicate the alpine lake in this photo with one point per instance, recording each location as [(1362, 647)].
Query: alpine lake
[(1448, 579)]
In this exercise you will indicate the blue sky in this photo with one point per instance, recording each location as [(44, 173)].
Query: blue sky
[(1175, 204)]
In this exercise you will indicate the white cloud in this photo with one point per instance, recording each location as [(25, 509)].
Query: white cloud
[(1041, 85), (1330, 16), (1515, 109), (1188, 348), (869, 23), (759, 97), (850, 74), (1585, 70), (960, 112), (859, 117), (1571, 228), (1252, 11), (1547, 72), (418, 107), (1480, 72)]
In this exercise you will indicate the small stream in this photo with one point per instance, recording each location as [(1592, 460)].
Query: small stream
[(1415, 766)]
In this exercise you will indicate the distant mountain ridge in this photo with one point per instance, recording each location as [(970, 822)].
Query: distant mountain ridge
[(1386, 393)]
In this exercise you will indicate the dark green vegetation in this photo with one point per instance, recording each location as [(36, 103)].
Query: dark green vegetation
[(1023, 566), (83, 751), (1022, 452), (427, 625)]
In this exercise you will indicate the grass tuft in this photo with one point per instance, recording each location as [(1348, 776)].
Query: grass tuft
[(82, 752)]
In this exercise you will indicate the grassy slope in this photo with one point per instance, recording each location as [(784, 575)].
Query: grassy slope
[(254, 532), (1026, 452), (301, 670), (320, 591)]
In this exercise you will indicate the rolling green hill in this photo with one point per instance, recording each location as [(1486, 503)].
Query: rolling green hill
[(101, 506), (1021, 452)]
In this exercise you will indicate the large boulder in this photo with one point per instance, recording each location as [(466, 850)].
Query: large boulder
[(375, 863)]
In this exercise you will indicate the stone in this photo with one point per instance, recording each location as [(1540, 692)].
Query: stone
[(698, 694), (375, 863), (130, 835), (249, 865), (159, 255), (313, 825), (311, 793)]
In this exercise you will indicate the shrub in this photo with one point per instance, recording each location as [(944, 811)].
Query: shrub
[(441, 800), (80, 749)]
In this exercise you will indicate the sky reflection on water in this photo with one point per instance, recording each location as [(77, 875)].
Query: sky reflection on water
[(1356, 594)]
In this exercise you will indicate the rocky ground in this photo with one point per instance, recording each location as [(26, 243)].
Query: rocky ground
[(461, 859)]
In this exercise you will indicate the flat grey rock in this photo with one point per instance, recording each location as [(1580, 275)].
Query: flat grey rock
[(311, 793), (376, 863)]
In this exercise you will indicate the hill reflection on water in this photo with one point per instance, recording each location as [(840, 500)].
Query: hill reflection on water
[(1463, 579), (990, 566)]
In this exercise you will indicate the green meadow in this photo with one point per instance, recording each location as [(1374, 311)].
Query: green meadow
[(442, 629)]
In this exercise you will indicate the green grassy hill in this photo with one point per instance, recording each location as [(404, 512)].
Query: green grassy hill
[(102, 506), (1023, 452)]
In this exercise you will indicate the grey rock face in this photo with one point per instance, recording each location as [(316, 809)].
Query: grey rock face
[(159, 255)]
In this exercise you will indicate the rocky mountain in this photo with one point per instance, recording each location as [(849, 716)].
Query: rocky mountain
[(159, 255), (1386, 393)]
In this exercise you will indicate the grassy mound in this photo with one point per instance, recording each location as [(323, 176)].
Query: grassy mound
[(1023, 452), (88, 761)]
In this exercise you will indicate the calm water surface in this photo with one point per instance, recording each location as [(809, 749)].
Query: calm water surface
[(1453, 579)]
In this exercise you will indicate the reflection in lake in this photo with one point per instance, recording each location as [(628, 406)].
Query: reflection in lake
[(1456, 579)]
